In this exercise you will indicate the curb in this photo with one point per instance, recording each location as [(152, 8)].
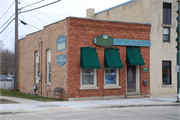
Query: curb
[(123, 106)]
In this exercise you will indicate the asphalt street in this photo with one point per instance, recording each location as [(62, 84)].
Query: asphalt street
[(128, 113)]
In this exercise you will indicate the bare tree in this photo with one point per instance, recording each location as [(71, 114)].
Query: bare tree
[(7, 62)]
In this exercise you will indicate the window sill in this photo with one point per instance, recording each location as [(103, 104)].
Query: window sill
[(164, 25), (112, 87), (88, 87), (166, 86), (49, 84)]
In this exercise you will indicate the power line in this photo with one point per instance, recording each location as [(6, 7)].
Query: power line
[(6, 26), (7, 10), (38, 18), (31, 4), (39, 7), (41, 13), (28, 24), (7, 20), (9, 33)]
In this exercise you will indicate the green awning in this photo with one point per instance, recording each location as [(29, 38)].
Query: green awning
[(133, 56), (112, 58), (89, 58)]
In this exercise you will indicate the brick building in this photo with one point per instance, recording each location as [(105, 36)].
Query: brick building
[(161, 14), (88, 58)]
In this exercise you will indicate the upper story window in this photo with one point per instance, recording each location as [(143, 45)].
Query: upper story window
[(166, 34), (167, 13), (48, 66)]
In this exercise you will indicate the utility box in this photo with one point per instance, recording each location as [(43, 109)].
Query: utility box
[(145, 82)]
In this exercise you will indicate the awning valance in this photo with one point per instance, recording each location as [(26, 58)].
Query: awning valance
[(112, 58), (89, 58), (133, 56)]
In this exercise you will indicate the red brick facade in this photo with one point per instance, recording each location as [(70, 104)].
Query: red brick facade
[(79, 33)]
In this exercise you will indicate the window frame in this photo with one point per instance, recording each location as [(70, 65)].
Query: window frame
[(112, 86), (90, 86), (170, 62), (169, 32)]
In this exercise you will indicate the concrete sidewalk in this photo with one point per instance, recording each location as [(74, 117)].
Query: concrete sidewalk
[(30, 106)]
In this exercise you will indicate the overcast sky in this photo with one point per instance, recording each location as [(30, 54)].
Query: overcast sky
[(44, 16)]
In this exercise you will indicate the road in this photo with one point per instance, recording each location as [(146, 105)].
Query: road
[(127, 113)]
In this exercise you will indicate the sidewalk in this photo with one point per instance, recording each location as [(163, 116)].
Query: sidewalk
[(30, 106)]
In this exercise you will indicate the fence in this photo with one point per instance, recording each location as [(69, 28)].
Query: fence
[(7, 84)]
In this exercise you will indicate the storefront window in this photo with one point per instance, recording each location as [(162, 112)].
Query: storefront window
[(166, 73), (110, 76), (87, 76)]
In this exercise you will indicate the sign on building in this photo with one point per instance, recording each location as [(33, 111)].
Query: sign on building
[(61, 60), (61, 43), (177, 68)]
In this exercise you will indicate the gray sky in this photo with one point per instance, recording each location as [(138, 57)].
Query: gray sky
[(47, 15)]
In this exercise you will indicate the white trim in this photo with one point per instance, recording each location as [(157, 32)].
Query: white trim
[(48, 61), (112, 86), (94, 85), (137, 78)]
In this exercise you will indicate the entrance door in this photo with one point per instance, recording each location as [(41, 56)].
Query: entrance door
[(131, 78)]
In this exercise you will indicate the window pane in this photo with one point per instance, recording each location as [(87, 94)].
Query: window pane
[(110, 79), (110, 76), (87, 79), (87, 71), (166, 73), (168, 16), (49, 77), (164, 16), (166, 31), (49, 67), (110, 71), (165, 37)]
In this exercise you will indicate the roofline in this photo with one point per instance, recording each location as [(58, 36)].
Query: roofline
[(123, 4), (145, 23)]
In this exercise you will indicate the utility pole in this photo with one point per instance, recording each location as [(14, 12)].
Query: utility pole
[(16, 45)]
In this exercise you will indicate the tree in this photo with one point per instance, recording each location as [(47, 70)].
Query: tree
[(7, 62)]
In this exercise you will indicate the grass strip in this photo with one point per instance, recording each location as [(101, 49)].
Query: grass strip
[(25, 96)]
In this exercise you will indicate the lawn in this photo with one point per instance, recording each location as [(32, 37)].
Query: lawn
[(25, 96), (4, 101)]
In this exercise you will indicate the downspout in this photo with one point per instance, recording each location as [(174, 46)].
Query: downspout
[(41, 67)]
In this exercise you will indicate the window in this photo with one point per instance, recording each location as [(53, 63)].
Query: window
[(48, 66), (167, 13), (37, 66), (49, 77), (166, 34), (166, 72), (110, 76), (89, 78)]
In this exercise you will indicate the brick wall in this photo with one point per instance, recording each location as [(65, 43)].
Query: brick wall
[(42, 41), (81, 32)]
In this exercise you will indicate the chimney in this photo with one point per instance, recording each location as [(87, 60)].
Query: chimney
[(90, 13)]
